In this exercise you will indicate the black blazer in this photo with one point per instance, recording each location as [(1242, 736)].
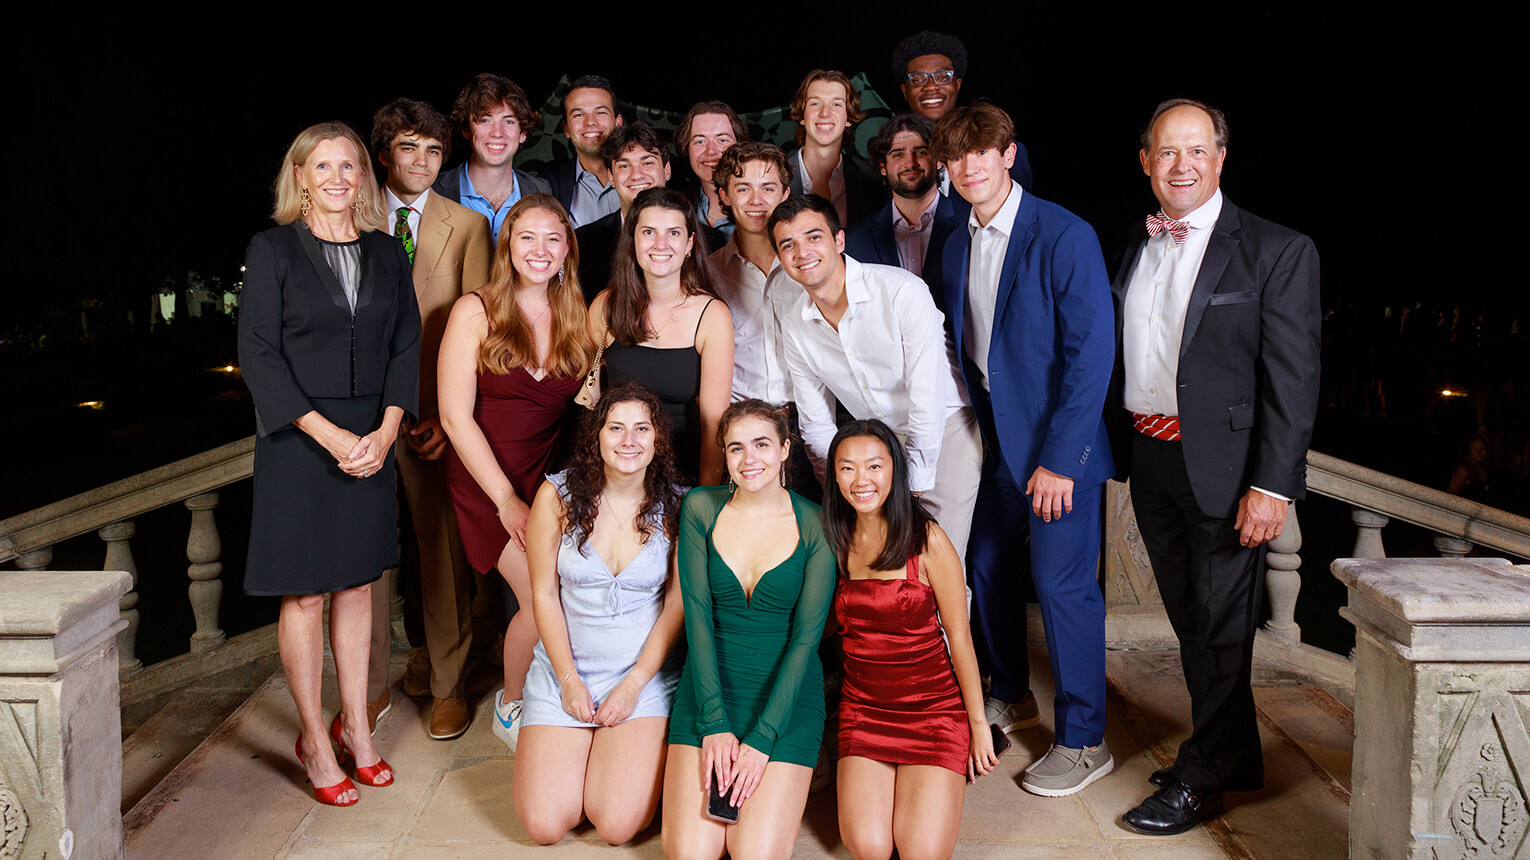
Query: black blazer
[(298, 338), (597, 244), (1248, 362), (865, 192), (872, 241), (560, 177)]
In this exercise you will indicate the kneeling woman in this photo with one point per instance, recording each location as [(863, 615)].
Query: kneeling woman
[(597, 697), (911, 730), (757, 576)]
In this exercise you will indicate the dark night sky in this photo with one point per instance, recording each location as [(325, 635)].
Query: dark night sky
[(150, 145)]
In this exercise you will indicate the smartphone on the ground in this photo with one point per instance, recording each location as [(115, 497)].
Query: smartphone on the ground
[(1000, 740)]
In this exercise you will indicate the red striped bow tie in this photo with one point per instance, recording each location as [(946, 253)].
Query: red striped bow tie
[(1159, 222)]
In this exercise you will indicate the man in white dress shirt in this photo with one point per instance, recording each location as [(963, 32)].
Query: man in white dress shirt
[(872, 337)]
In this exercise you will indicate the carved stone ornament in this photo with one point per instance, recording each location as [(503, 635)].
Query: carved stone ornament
[(13, 823), (1488, 815)]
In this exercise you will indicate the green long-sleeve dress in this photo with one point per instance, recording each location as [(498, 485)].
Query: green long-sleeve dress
[(753, 667)]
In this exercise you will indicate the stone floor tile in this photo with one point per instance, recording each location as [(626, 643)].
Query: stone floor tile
[(1170, 848), (1070, 851), (998, 810), (472, 803), (322, 849)]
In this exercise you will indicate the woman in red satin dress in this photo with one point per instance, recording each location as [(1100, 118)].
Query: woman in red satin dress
[(911, 723)]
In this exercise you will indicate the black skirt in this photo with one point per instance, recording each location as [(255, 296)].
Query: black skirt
[(315, 529)]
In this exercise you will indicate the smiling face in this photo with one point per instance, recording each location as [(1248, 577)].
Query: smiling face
[(538, 246), (754, 453), (909, 168), (711, 133), (809, 253), (627, 438), (661, 242), (863, 468), (931, 99), (825, 113), (332, 174), (588, 117), (753, 196), (1184, 162), (496, 137), (981, 177), (413, 162), (636, 170)]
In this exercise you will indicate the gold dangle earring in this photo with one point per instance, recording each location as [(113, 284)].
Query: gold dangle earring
[(305, 204), (359, 202), (561, 267)]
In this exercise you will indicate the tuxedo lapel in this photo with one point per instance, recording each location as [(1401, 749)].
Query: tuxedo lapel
[(326, 274), (1219, 251), (885, 235)]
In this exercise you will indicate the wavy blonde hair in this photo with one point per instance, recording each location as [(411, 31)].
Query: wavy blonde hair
[(511, 343), (289, 194)]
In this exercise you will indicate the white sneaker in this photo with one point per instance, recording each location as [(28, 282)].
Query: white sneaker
[(1023, 714), (507, 719)]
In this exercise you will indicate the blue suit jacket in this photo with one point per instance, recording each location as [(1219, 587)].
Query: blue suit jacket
[(1052, 350), (872, 240)]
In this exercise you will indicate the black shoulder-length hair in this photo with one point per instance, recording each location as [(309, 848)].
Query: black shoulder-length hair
[(908, 523)]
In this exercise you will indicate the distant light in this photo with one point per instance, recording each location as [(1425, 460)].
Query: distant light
[(1451, 392), (227, 368), (96, 405)]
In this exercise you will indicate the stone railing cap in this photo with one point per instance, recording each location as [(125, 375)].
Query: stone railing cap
[(1441, 591), (46, 603)]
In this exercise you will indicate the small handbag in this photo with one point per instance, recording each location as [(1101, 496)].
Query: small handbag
[(589, 392)]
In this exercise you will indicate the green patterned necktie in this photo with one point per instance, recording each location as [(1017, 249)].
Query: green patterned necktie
[(401, 230)]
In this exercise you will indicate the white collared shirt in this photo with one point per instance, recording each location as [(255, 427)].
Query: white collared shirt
[(395, 204), (759, 368), (985, 262), (889, 359), (1153, 314), (836, 190), (915, 244), (591, 201)]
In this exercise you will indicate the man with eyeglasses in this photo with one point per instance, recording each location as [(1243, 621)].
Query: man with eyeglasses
[(929, 68)]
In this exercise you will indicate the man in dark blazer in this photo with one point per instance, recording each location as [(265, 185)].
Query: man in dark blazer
[(450, 255), (911, 231), (492, 114), (1213, 404), (638, 160), (1033, 327), (583, 183)]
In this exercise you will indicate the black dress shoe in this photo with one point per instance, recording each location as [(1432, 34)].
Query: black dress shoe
[(1244, 782), (1173, 809)]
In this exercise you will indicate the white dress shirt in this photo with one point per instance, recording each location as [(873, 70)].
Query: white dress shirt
[(394, 204), (889, 359), (759, 368), (985, 262), (1153, 315), (913, 240), (835, 193)]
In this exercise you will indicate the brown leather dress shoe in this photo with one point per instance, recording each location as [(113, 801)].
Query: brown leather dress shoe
[(417, 673), (379, 708), (448, 718)]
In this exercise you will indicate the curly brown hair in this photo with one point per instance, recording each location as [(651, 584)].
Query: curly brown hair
[(585, 481)]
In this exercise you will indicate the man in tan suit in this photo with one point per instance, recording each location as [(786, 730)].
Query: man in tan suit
[(449, 248)]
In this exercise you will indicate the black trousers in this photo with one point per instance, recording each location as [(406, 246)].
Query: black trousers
[(1211, 587)]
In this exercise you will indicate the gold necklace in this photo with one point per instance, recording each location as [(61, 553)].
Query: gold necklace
[(621, 525)]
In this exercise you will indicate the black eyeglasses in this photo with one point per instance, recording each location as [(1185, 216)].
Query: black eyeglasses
[(944, 77)]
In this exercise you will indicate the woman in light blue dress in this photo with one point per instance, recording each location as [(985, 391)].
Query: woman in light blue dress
[(608, 613)]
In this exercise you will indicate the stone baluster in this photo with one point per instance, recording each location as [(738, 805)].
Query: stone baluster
[(1283, 580), (1368, 526), (1451, 547), (119, 556), (37, 559), (204, 548)]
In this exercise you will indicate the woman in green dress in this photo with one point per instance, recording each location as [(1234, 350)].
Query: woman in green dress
[(757, 579)]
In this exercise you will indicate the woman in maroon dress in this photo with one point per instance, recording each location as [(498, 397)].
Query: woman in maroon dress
[(513, 354), (911, 728)]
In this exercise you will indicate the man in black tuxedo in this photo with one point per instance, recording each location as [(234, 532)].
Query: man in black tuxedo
[(583, 183), (910, 231), (637, 159), (1214, 400)]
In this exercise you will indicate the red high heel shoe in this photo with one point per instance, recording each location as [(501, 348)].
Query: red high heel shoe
[(364, 775), (327, 794)]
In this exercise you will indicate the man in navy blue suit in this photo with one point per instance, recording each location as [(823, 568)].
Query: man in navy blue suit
[(1030, 308), (910, 231)]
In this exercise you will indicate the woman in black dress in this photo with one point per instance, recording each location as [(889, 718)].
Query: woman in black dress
[(329, 337), (663, 325)]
